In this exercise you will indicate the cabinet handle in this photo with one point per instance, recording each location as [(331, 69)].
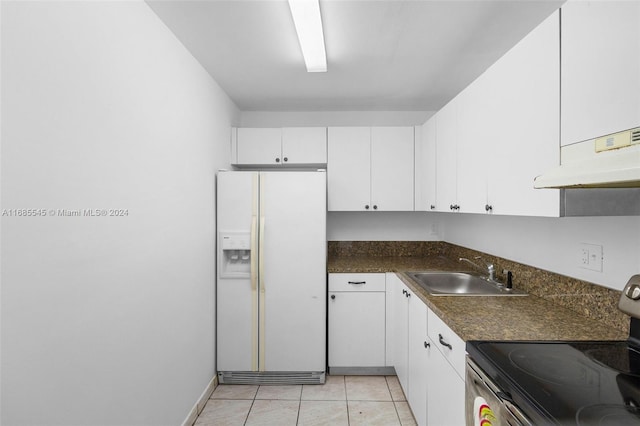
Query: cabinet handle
[(375, 207), (404, 291), (443, 343), (432, 207), (366, 207), (277, 160), (285, 159), (356, 282), (427, 344), (488, 207), (408, 294), (333, 296), (451, 207)]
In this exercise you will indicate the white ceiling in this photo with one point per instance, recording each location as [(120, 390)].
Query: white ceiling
[(393, 55)]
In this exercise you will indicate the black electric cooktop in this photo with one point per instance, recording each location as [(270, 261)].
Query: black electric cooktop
[(567, 383)]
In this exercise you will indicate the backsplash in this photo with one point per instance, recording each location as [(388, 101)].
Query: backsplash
[(386, 248), (587, 299)]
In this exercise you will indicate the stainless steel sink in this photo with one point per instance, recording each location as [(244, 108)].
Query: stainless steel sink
[(460, 284)]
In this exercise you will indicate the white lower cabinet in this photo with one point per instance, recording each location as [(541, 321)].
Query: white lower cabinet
[(445, 372), (445, 392), (419, 348), (397, 330), (429, 358), (356, 320)]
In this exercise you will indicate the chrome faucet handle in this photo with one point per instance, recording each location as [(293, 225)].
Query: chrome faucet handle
[(492, 271)]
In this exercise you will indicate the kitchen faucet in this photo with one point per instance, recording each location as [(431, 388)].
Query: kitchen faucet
[(491, 270)]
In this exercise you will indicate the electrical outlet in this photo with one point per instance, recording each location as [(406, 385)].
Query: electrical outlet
[(590, 257)]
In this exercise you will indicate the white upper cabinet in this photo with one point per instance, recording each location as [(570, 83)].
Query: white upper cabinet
[(304, 145), (425, 166), (446, 157), (502, 131), (392, 168), (370, 168), (475, 148), (524, 122), (600, 68), (349, 168), (292, 146), (257, 146)]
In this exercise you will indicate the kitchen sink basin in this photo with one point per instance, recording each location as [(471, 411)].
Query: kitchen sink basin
[(460, 284)]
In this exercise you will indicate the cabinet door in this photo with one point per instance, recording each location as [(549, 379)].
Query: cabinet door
[(445, 391), (600, 68), (349, 168), (525, 119), (446, 134), (418, 359), (356, 329), (304, 145), (397, 331), (259, 146), (392, 298), (425, 166), (392, 168), (475, 149)]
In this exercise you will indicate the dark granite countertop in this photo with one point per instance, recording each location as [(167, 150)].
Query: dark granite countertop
[(485, 317)]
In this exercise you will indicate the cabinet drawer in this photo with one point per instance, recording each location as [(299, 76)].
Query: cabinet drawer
[(356, 282), (447, 342)]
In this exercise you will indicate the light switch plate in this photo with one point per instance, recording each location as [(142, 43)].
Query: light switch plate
[(590, 256)]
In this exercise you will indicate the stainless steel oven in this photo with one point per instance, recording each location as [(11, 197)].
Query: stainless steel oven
[(557, 383), (486, 403)]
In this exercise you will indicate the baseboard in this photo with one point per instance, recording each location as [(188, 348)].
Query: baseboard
[(362, 371), (202, 401)]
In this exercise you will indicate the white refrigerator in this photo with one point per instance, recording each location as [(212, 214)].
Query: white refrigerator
[(271, 284)]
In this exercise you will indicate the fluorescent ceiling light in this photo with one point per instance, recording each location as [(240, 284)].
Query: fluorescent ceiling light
[(306, 17)]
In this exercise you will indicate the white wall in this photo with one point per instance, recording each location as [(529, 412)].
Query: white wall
[(553, 243), (106, 320), (333, 118)]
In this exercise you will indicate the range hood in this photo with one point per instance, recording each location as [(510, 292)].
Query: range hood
[(598, 177), (611, 161)]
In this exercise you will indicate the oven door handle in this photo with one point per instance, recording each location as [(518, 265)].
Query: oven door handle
[(505, 396)]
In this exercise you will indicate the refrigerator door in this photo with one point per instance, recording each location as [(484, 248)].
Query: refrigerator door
[(237, 298), (293, 279)]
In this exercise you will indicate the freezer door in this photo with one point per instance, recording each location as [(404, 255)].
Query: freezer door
[(237, 298), (293, 279)]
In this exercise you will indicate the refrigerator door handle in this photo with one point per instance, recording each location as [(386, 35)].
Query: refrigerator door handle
[(254, 294), (261, 284), (261, 340), (261, 254), (254, 257)]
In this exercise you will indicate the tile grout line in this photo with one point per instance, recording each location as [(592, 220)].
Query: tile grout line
[(346, 399), (299, 404), (246, 419), (395, 407)]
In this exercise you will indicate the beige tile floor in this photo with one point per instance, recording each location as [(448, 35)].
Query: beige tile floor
[(341, 401)]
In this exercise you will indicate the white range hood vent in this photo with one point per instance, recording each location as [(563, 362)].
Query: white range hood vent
[(612, 161), (598, 177)]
